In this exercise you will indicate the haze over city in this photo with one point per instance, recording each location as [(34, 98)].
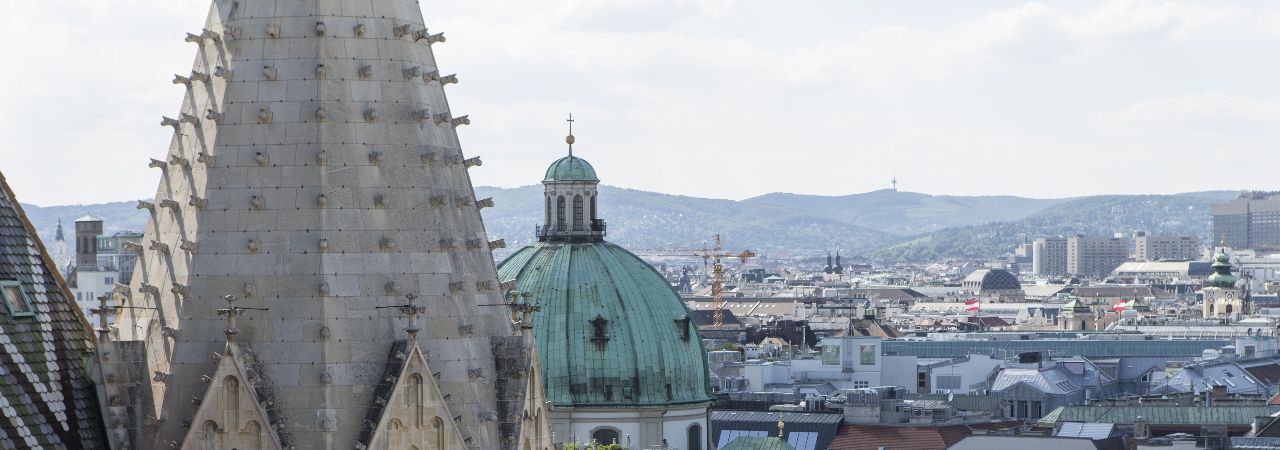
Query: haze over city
[(730, 99)]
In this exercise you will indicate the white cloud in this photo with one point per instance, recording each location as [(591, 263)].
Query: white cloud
[(1205, 110), (782, 96)]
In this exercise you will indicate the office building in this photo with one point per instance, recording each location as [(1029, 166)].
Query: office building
[(1250, 221), (1095, 256), (1165, 248), (1049, 256)]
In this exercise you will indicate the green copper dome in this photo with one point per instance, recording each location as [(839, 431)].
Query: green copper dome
[(612, 332), (1222, 277), (1075, 305), (571, 168)]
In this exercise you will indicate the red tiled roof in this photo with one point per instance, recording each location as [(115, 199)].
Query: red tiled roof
[(1275, 400), (892, 437), (989, 321)]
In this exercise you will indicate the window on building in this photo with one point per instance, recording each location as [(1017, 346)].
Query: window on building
[(867, 354), (577, 213), (108, 281), (605, 436), (16, 301), (695, 437), (831, 354), (861, 384), (561, 215)]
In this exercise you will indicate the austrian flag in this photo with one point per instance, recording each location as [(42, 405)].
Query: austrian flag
[(972, 305)]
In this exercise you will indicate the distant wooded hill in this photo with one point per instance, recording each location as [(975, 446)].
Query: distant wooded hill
[(882, 225)]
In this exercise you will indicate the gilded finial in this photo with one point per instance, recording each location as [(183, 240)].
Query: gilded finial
[(569, 139), (780, 427)]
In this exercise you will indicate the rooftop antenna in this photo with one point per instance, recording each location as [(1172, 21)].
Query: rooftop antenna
[(569, 139)]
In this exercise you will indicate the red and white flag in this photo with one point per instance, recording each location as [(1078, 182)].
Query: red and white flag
[(972, 305), (1120, 306)]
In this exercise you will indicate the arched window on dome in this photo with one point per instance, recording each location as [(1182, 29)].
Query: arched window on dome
[(561, 216), (594, 216), (695, 437), (577, 213), (548, 219)]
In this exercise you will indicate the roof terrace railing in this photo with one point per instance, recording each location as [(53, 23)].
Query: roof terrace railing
[(594, 231)]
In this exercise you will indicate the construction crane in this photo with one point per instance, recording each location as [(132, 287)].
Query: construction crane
[(710, 257)]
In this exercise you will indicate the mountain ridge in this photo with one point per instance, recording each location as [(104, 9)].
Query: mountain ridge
[(883, 225)]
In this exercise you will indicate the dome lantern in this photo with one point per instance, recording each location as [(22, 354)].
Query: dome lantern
[(570, 198)]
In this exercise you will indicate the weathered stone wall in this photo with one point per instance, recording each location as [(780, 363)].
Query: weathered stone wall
[(315, 172)]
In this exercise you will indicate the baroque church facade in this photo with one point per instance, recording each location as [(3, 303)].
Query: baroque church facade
[(621, 359), (315, 273)]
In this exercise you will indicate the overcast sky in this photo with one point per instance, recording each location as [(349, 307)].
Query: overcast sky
[(725, 98)]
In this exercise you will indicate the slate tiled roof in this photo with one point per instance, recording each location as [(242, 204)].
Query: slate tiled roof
[(706, 317), (820, 428), (46, 397)]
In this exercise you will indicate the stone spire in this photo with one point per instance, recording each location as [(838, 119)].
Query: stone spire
[(314, 171)]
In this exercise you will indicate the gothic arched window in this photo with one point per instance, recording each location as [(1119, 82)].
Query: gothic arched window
[(437, 429), (210, 438), (413, 399), (577, 213), (231, 394)]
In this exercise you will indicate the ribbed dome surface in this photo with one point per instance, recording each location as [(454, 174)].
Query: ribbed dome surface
[(993, 279), (652, 355), (570, 168)]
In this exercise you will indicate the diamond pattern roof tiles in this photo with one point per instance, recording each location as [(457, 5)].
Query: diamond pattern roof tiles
[(45, 396)]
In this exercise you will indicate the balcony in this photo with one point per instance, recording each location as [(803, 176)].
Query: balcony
[(592, 232)]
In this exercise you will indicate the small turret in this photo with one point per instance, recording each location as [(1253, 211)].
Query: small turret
[(570, 196)]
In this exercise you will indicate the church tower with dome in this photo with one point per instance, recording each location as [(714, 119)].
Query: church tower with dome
[(621, 358), (1222, 299)]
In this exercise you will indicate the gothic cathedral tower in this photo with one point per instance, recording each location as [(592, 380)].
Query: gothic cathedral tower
[(314, 190)]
